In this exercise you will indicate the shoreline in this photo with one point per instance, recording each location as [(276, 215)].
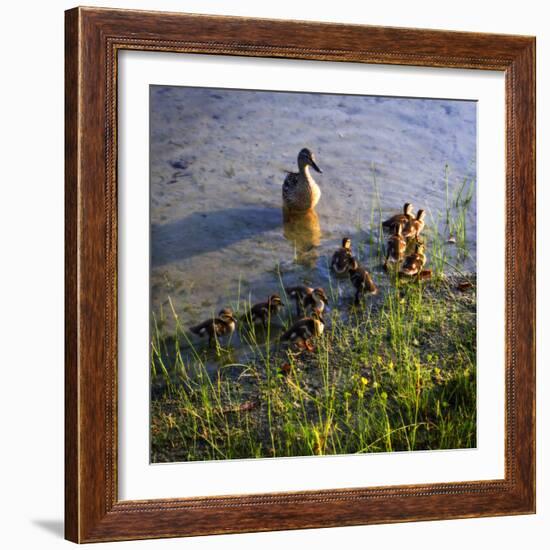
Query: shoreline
[(411, 351)]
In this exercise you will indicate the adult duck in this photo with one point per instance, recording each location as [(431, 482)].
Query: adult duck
[(300, 191)]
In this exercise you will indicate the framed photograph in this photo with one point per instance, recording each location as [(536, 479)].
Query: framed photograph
[(300, 275)]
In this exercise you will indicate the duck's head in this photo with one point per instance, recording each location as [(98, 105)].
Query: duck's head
[(408, 209), (346, 243), (275, 300), (226, 314), (421, 214), (320, 293), (307, 158)]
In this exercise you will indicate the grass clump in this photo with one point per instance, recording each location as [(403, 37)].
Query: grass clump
[(396, 375)]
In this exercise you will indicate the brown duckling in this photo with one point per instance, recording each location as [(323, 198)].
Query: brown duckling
[(400, 219), (299, 294), (316, 301), (262, 312), (361, 279), (304, 330), (396, 246), (414, 263), (222, 325), (415, 226), (341, 257)]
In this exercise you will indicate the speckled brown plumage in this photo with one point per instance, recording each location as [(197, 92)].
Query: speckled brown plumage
[(264, 311), (216, 327), (414, 227), (304, 330), (361, 280), (341, 258), (300, 190), (414, 262), (396, 246), (298, 294), (315, 301), (399, 219)]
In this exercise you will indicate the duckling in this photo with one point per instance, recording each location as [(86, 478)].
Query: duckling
[(316, 301), (361, 279), (262, 312), (341, 257), (400, 219), (396, 246), (414, 263), (300, 191), (298, 294), (222, 325), (415, 226), (304, 330)]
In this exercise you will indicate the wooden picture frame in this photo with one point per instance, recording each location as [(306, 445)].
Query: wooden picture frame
[(94, 37)]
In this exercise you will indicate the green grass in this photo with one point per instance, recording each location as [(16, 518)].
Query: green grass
[(395, 375), (457, 207)]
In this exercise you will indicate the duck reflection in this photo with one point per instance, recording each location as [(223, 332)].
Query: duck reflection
[(303, 230)]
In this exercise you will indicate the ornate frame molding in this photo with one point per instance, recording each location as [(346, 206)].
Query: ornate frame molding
[(93, 38)]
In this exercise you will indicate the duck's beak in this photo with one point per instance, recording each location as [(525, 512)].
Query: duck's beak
[(314, 165)]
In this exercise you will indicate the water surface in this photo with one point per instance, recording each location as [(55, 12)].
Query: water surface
[(218, 160)]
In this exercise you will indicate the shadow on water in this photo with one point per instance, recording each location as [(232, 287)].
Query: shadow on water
[(203, 232)]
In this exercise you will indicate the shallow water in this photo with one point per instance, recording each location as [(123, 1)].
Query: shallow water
[(217, 165)]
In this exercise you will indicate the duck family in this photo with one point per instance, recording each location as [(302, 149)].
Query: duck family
[(405, 253)]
